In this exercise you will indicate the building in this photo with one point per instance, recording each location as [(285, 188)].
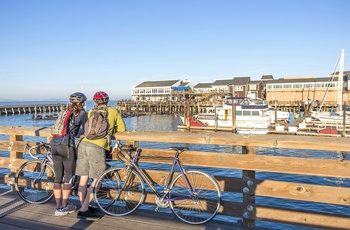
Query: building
[(283, 90), (158, 90), (305, 89)]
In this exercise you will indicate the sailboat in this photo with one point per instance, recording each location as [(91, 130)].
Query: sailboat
[(335, 116)]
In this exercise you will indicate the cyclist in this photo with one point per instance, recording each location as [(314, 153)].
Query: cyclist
[(91, 155), (64, 155)]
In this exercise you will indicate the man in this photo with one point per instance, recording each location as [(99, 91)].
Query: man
[(91, 154)]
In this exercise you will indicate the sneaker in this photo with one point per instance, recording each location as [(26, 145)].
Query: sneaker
[(86, 215), (70, 208), (92, 209), (58, 212)]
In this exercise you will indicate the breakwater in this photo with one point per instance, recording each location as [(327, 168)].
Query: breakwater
[(29, 109)]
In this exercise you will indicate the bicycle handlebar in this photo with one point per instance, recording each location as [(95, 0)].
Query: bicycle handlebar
[(41, 145), (119, 147)]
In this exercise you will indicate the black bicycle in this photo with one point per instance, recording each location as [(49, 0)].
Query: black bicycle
[(193, 196)]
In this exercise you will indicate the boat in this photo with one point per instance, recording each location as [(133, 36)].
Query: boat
[(259, 103), (45, 116), (338, 115), (250, 117)]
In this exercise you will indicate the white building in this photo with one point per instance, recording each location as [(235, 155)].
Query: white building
[(158, 90)]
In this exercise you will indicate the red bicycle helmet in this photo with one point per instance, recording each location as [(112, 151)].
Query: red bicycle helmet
[(101, 97)]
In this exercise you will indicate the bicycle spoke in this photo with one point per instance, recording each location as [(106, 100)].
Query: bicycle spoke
[(117, 197), (199, 206), (33, 185)]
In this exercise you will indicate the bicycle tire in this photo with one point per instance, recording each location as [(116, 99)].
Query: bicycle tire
[(28, 190), (116, 197), (201, 208)]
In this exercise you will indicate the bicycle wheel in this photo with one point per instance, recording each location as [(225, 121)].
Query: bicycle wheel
[(200, 207), (34, 183), (119, 192)]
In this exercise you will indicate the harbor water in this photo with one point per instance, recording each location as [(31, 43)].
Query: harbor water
[(168, 123)]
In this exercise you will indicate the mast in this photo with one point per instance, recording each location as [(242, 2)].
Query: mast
[(340, 82)]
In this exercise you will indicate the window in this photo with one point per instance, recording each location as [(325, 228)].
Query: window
[(246, 113), (238, 88), (252, 87), (309, 85), (255, 113), (277, 86)]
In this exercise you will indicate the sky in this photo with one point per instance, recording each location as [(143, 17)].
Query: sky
[(52, 48)]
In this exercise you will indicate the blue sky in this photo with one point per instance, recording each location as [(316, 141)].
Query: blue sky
[(49, 49)]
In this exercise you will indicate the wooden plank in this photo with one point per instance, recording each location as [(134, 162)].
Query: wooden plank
[(278, 164), (304, 192), (268, 141), (42, 217), (297, 217)]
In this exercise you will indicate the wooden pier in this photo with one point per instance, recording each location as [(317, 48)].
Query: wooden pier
[(30, 109), (193, 107), (243, 206)]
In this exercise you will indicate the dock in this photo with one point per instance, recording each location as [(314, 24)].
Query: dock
[(15, 214), (30, 109)]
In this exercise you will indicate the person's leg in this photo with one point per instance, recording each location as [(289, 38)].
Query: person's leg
[(57, 191), (88, 197), (82, 191), (58, 167), (69, 168), (97, 164), (82, 170)]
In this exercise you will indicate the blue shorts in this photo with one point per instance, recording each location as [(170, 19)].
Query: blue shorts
[(91, 160)]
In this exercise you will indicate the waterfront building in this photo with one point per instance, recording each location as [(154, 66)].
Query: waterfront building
[(283, 90), (306, 89), (159, 90)]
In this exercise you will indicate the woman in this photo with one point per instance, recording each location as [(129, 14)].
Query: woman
[(64, 155)]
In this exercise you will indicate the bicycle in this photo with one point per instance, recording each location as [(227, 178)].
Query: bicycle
[(34, 180), (193, 196)]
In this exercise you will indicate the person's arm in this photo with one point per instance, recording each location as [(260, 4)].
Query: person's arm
[(121, 127)]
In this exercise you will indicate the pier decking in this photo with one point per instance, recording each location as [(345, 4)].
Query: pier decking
[(15, 214)]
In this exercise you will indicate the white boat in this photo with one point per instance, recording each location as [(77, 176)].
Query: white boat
[(267, 110), (249, 118), (334, 116)]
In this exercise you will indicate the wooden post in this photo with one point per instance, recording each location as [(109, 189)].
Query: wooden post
[(249, 192), (14, 155), (275, 117), (187, 116), (344, 120), (234, 122)]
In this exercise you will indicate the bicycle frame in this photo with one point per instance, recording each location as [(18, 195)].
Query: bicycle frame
[(45, 160), (175, 161)]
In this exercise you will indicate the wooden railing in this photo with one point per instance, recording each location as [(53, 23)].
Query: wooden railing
[(247, 208)]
